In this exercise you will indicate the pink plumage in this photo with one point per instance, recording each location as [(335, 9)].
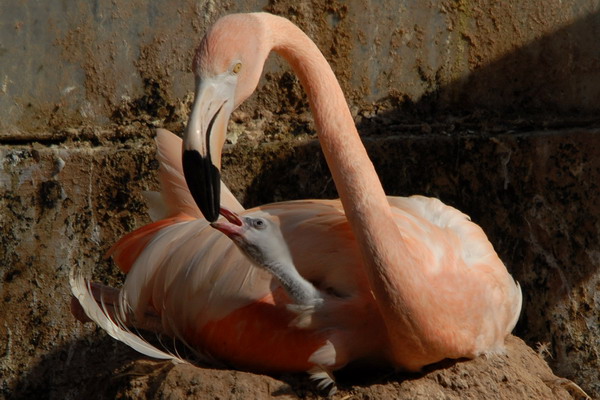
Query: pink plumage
[(407, 281)]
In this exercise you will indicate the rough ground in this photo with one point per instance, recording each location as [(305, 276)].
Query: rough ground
[(110, 371), (520, 374)]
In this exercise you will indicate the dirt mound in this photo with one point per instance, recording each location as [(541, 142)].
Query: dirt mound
[(519, 374)]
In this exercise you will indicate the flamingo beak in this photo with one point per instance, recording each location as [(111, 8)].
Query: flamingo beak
[(203, 143), (231, 227)]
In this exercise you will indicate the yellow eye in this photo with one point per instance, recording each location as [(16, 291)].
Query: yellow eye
[(237, 67)]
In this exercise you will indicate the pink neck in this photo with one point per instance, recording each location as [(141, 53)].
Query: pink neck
[(356, 180)]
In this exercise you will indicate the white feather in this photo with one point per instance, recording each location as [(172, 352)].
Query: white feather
[(157, 208), (82, 292)]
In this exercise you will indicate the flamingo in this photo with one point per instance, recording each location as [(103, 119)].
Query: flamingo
[(401, 281), (261, 240)]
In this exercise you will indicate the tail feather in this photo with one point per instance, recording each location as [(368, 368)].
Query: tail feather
[(100, 315)]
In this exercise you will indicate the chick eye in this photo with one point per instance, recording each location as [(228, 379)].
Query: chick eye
[(236, 68), (259, 223)]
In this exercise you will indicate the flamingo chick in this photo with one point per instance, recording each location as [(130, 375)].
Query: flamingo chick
[(260, 239)]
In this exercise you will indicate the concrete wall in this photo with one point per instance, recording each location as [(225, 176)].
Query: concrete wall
[(66, 63), (491, 106)]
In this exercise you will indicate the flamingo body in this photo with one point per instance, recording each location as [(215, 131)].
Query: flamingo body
[(209, 294), (206, 292), (405, 281), (258, 337)]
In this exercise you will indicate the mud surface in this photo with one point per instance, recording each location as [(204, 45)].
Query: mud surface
[(492, 109), (519, 374), (70, 201)]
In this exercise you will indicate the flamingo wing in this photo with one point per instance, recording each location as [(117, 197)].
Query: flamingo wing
[(208, 294), (463, 269), (195, 274)]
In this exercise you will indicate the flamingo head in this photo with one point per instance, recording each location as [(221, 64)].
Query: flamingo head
[(258, 236), (227, 68)]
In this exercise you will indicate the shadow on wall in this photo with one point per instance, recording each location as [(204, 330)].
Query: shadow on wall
[(532, 187), (557, 74)]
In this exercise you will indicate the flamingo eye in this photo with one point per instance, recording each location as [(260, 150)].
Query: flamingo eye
[(236, 68)]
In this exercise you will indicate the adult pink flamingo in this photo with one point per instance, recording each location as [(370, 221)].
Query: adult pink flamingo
[(405, 281)]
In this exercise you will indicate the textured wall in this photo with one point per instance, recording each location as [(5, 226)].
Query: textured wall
[(68, 63)]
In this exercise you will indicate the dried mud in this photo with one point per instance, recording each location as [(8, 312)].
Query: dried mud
[(519, 374)]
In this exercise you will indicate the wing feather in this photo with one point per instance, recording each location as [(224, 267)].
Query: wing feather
[(193, 275), (100, 315)]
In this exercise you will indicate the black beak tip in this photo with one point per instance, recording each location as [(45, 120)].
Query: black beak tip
[(204, 182), (210, 212)]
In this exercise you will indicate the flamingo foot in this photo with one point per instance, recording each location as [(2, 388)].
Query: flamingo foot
[(324, 358), (324, 379)]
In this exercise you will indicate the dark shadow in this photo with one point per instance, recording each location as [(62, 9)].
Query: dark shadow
[(363, 374), (99, 368), (557, 75), (80, 369)]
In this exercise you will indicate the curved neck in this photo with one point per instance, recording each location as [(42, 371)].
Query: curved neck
[(353, 173), (300, 290), (356, 180)]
